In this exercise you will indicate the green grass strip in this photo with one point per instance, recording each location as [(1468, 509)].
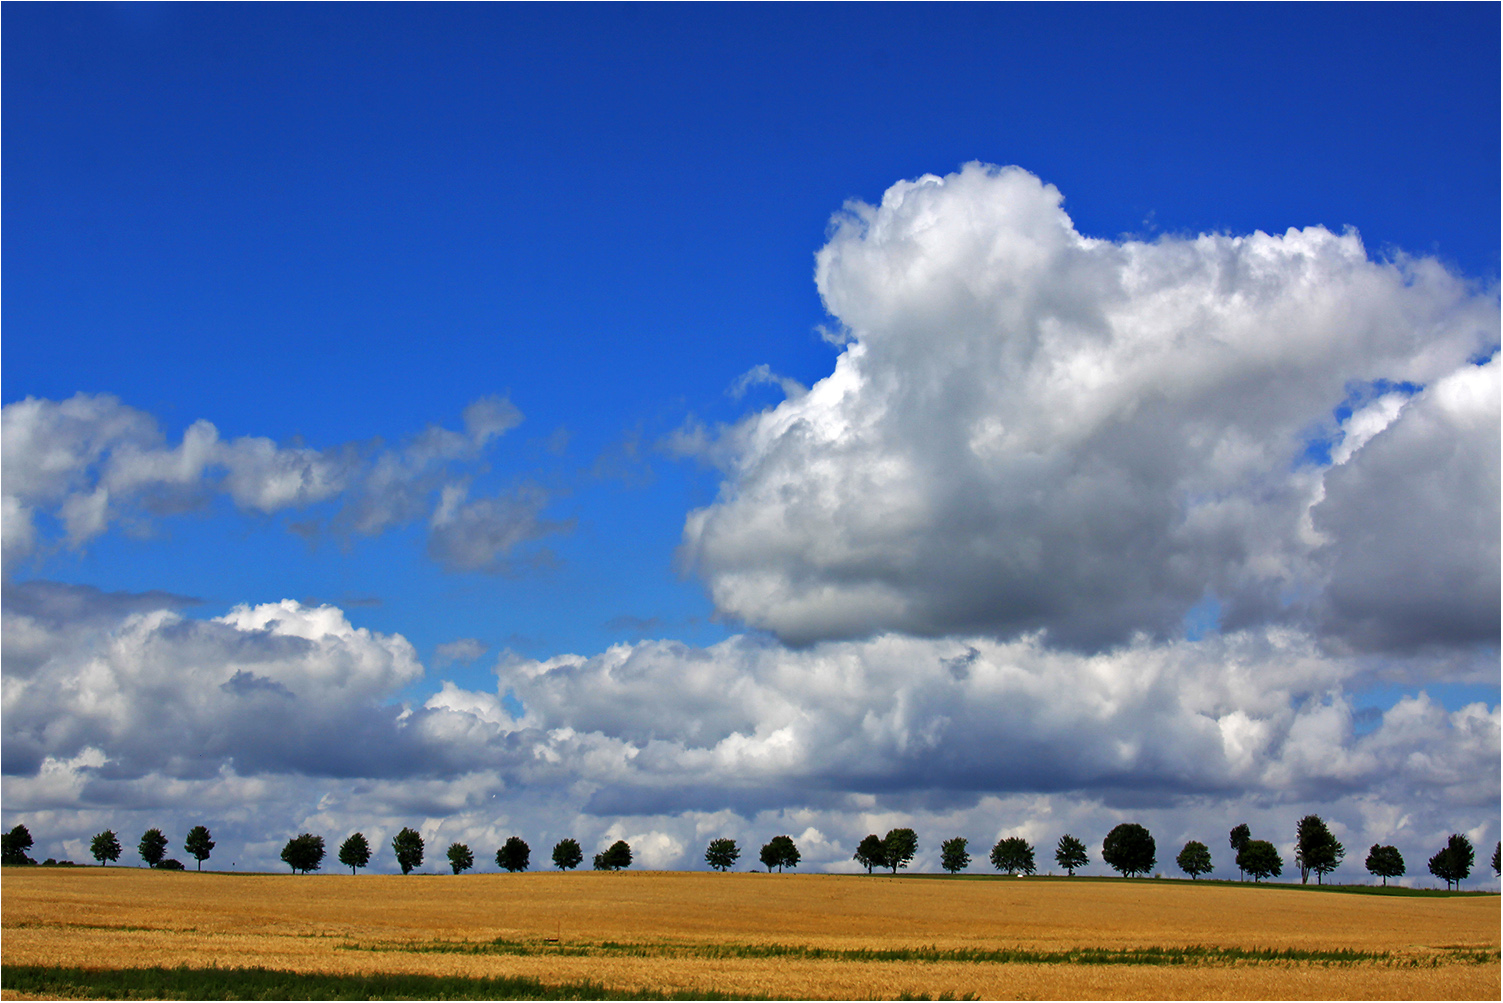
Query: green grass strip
[(184, 983), (1192, 955)]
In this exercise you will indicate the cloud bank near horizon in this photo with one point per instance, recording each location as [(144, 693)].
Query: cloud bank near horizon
[(294, 704), (978, 546)]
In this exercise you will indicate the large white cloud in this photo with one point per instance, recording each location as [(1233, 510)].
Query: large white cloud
[(1034, 429), (91, 461)]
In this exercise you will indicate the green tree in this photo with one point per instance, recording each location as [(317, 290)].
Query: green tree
[(618, 855), (722, 854), (1385, 862), (1129, 849), (1260, 859), (408, 846), (514, 854), (567, 855), (153, 847), (870, 853), (780, 852), (1454, 862), (198, 844), (13, 846), (1315, 849), (1194, 859), (899, 847), (105, 846), (304, 853), (1240, 837), (1497, 854), (1070, 854), (953, 856), (614, 857), (460, 857), (355, 852), (1013, 854)]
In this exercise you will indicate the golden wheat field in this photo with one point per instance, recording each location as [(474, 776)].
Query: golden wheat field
[(670, 931)]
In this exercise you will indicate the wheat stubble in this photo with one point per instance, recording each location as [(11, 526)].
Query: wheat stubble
[(123, 917)]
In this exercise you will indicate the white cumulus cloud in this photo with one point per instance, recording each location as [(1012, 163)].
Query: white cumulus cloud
[(1030, 428)]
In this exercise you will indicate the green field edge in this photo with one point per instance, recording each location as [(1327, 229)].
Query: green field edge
[(1191, 955), (184, 983)]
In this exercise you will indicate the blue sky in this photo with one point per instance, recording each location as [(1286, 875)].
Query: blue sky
[(330, 230)]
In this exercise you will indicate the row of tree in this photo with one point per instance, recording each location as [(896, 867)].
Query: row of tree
[(1129, 849), (106, 847), (305, 853), (1318, 851)]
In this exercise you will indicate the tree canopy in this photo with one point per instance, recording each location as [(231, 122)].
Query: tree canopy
[(1315, 849), (198, 844), (105, 846), (870, 853), (460, 857), (614, 857), (14, 844), (1385, 862), (152, 847), (1129, 849), (1240, 836), (722, 854), (1012, 855), (1070, 854), (1454, 862), (1260, 859), (567, 855), (408, 847), (355, 852), (953, 856), (304, 852), (780, 852), (514, 855), (1195, 859), (899, 847)]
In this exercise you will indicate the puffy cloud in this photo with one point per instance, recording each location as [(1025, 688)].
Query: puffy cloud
[(1412, 519), (91, 461), (1034, 429), (281, 717), (488, 417), (749, 725), (464, 649), (265, 687), (763, 375), (479, 535)]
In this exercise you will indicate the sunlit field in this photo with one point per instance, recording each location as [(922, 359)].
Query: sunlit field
[(789, 935)]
